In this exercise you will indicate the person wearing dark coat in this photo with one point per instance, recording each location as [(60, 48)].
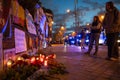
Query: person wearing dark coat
[(112, 29)]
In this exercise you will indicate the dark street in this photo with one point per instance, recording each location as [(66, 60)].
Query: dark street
[(86, 67), (59, 40)]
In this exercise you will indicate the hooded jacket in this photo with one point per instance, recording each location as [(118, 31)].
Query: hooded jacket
[(111, 22)]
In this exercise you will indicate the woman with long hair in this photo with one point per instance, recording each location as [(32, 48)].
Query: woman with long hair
[(94, 35)]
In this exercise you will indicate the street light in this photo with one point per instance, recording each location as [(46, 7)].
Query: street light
[(68, 10), (73, 33), (52, 22), (62, 28), (102, 17), (88, 24), (76, 22)]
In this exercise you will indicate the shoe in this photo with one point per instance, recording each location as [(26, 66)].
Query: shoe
[(114, 59)]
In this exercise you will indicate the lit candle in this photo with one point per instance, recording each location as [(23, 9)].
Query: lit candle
[(37, 58), (47, 57), (54, 56), (32, 59), (41, 59), (40, 55), (20, 58), (9, 63), (45, 63)]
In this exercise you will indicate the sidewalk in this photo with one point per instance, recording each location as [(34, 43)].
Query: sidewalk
[(86, 67)]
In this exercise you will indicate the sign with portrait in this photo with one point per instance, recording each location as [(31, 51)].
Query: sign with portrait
[(18, 13), (30, 23), (40, 18)]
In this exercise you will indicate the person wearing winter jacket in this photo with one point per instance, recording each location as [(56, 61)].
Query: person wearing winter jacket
[(94, 35), (112, 29)]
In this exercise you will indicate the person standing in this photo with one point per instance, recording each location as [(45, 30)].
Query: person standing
[(112, 29), (94, 35), (66, 41), (82, 39)]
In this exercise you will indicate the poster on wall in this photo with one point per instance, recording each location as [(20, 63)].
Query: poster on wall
[(42, 24), (18, 13), (20, 41), (30, 23), (1, 52), (40, 19)]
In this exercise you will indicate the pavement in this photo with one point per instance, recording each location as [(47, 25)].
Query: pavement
[(86, 67)]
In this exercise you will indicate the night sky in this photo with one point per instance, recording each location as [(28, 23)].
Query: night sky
[(86, 9)]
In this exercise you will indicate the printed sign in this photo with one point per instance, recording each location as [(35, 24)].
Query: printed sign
[(20, 41)]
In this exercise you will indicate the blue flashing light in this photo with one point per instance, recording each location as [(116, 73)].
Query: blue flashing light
[(79, 35), (72, 42), (78, 40), (70, 37), (87, 40)]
